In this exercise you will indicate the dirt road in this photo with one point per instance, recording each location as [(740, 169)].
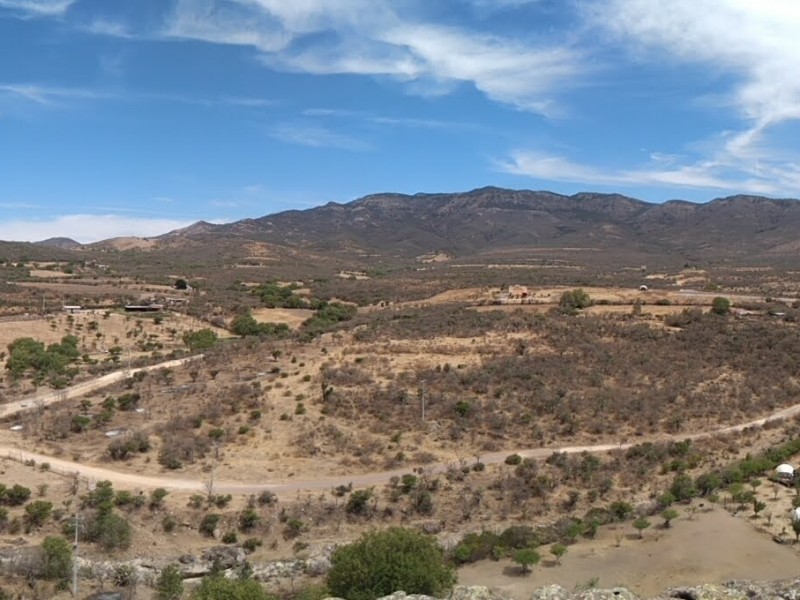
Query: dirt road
[(81, 389), (93, 473)]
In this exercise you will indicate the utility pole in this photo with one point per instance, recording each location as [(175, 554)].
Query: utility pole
[(422, 400)]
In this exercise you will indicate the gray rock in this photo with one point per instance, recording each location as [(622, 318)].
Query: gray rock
[(551, 592), (473, 592), (227, 557)]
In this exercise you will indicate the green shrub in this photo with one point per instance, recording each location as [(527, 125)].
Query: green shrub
[(217, 587), (382, 562), (209, 523)]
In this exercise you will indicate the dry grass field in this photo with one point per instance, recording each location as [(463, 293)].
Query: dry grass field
[(427, 388)]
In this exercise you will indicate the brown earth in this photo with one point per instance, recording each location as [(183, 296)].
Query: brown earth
[(712, 548)]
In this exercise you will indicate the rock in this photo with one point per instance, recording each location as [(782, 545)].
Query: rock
[(550, 592), (556, 592), (707, 592), (186, 559), (473, 592), (318, 565), (227, 557)]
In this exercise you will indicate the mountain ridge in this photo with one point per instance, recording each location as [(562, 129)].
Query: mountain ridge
[(491, 218)]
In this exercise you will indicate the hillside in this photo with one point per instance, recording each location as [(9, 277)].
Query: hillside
[(493, 221)]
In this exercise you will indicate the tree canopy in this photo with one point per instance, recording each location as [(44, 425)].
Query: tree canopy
[(382, 562), (51, 362)]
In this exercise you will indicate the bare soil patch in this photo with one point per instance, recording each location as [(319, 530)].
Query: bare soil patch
[(293, 317), (712, 548)]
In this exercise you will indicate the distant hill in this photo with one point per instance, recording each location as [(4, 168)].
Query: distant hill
[(486, 225), (494, 221), (59, 242)]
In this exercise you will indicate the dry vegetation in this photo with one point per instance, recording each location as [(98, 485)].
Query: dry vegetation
[(641, 370)]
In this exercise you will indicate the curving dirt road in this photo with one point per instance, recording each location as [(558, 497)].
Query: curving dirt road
[(92, 473)]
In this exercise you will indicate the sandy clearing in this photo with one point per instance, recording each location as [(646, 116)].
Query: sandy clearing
[(293, 317), (712, 548)]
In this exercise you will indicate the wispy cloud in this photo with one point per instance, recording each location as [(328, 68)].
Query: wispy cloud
[(51, 95), (372, 37), (754, 43), (105, 27), (87, 228), (704, 174), (41, 8), (305, 134), (58, 97)]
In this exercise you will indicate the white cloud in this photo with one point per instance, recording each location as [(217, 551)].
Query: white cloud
[(702, 174), (233, 24), (87, 228), (755, 44), (372, 37), (42, 8)]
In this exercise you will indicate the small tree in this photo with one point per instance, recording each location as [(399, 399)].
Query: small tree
[(621, 510), (558, 550), (381, 562), (202, 339), (527, 557), (573, 300), (57, 559), (169, 585), (668, 515), (720, 306), (640, 525)]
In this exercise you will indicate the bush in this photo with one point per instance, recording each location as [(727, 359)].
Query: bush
[(382, 562), (202, 339), (720, 306), (358, 503), (574, 300), (248, 519), (111, 531), (209, 524), (37, 512), (216, 587), (169, 585), (57, 558), (17, 495)]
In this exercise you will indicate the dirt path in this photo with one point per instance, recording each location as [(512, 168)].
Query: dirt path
[(81, 389), (71, 468)]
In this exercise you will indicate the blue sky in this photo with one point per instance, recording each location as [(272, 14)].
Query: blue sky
[(134, 117)]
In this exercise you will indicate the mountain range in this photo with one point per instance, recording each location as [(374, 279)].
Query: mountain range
[(493, 221)]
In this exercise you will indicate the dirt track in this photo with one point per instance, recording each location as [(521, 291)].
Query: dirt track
[(93, 473)]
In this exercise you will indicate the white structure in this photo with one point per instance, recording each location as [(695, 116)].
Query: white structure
[(784, 470), (796, 514)]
